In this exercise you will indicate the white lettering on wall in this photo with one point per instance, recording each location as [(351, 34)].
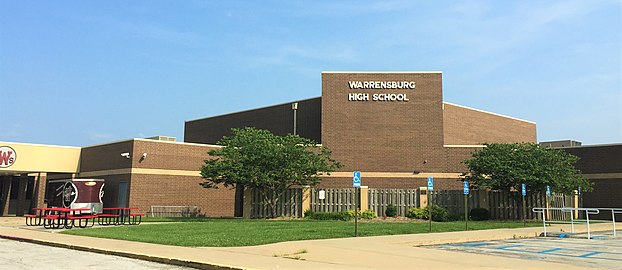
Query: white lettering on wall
[(381, 85), (408, 85)]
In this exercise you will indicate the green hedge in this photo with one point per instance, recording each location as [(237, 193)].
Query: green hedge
[(391, 210), (478, 214), (345, 216), (439, 214)]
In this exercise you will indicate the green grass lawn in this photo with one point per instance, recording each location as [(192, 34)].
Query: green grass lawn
[(243, 232)]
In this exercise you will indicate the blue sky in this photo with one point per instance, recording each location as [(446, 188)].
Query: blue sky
[(82, 73)]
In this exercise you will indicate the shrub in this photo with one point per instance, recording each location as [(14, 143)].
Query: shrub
[(455, 217), (418, 213), (367, 214), (478, 214), (438, 213), (391, 210), (345, 216)]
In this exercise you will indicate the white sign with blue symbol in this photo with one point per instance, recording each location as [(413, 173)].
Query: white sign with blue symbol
[(524, 189), (356, 180), (466, 188), (430, 183), (548, 191)]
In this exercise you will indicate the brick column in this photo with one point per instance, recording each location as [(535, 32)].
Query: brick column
[(21, 206), (423, 197), (39, 192), (6, 194), (306, 199), (364, 195), (248, 200)]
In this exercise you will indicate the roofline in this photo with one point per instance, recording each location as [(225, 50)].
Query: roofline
[(248, 110), (501, 115), (383, 72), (39, 144), (590, 145), (113, 142), (151, 140), (176, 142)]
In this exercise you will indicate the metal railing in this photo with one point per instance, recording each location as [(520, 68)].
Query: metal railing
[(545, 212)]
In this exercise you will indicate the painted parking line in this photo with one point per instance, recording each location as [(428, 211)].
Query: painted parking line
[(603, 253), (590, 254), (550, 250), (510, 246)]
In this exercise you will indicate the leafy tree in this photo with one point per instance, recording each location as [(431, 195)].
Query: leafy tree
[(256, 158), (507, 166)]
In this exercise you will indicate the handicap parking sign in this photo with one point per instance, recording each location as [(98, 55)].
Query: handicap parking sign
[(356, 179), (524, 189), (466, 188), (430, 183), (548, 191)]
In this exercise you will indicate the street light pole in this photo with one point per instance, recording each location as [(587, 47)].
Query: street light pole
[(295, 109)]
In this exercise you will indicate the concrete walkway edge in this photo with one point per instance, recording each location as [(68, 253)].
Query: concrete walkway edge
[(177, 262)]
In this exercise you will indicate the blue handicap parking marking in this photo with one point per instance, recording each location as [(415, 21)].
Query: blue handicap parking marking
[(475, 244), (550, 250), (590, 254), (510, 246)]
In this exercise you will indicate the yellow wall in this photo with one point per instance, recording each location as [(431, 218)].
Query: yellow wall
[(43, 158)]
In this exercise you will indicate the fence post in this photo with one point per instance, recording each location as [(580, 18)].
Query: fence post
[(306, 200), (364, 195), (248, 203), (423, 200)]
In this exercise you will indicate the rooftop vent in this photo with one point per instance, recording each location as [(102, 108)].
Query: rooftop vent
[(561, 144), (163, 138)]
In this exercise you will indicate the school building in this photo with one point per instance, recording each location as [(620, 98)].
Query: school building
[(394, 127)]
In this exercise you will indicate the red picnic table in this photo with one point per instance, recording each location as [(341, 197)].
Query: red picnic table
[(57, 217), (119, 216)]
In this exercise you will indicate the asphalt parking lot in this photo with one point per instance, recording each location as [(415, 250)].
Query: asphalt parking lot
[(20, 255), (602, 252)]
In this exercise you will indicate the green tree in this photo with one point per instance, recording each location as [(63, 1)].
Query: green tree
[(507, 166), (256, 158)]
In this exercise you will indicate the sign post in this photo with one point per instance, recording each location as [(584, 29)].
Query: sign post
[(466, 205), (580, 201), (356, 183), (548, 200), (430, 189), (524, 193)]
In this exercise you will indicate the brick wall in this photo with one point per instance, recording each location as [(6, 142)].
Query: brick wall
[(169, 185), (384, 135), (598, 159), (106, 156), (173, 190), (169, 155), (279, 119), (465, 126)]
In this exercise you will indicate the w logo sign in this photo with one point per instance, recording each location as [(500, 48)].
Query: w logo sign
[(7, 156)]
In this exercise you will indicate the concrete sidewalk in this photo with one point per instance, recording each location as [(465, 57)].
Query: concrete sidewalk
[(378, 252)]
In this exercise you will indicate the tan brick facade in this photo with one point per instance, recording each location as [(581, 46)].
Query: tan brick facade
[(466, 126), (167, 176), (394, 136)]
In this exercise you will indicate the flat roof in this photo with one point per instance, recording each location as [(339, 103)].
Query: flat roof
[(399, 72), (152, 140)]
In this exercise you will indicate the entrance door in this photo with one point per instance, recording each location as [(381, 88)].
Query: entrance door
[(122, 194)]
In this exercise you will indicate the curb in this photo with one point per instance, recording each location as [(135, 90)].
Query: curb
[(177, 262)]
